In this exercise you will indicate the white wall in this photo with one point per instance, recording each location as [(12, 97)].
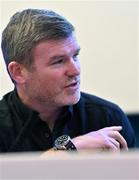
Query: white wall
[(108, 35)]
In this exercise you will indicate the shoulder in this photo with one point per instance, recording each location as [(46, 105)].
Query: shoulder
[(4, 110), (6, 124), (92, 101), (4, 102), (102, 111)]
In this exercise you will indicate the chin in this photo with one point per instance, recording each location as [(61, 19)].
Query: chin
[(73, 99)]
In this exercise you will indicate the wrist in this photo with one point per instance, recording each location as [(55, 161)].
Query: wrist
[(64, 142)]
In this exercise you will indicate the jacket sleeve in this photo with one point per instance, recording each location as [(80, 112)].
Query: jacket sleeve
[(127, 131)]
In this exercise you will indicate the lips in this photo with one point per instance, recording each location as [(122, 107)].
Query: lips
[(73, 84)]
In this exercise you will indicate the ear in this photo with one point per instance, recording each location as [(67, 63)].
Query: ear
[(17, 72)]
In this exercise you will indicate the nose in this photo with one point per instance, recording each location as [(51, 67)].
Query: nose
[(73, 68)]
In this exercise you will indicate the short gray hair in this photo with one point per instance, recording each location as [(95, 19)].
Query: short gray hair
[(28, 27)]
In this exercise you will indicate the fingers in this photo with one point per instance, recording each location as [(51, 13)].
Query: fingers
[(107, 138), (113, 132), (114, 128), (115, 145), (117, 136)]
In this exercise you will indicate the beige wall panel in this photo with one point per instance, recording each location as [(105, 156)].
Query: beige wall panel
[(108, 34)]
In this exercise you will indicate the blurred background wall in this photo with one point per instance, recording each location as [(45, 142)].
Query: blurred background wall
[(108, 33)]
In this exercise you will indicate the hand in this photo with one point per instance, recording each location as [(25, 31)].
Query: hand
[(107, 138)]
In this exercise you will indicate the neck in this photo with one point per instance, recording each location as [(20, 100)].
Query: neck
[(50, 116), (48, 113)]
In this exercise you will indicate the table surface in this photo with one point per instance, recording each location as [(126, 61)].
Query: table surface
[(73, 166)]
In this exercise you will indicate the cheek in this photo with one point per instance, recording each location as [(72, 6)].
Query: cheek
[(53, 76), (52, 80), (48, 80)]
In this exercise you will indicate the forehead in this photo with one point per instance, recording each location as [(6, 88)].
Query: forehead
[(52, 47)]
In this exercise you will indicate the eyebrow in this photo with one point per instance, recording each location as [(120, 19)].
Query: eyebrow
[(61, 56)]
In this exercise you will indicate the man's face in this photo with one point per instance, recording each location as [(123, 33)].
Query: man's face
[(55, 79)]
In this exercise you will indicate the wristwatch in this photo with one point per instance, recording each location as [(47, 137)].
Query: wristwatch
[(64, 143)]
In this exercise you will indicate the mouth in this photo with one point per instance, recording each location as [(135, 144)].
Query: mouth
[(74, 84)]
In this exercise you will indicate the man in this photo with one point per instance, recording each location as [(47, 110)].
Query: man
[(46, 108)]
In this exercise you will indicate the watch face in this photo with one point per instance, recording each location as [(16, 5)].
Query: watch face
[(62, 141)]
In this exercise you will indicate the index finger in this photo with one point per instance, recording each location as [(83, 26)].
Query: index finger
[(114, 128)]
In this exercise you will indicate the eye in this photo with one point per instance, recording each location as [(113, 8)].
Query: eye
[(75, 57), (59, 61)]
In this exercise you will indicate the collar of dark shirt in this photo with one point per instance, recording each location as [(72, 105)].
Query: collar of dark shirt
[(25, 112)]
